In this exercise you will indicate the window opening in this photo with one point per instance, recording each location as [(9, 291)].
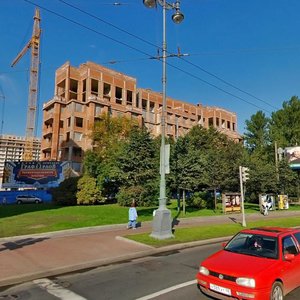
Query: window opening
[(94, 87), (129, 98), (118, 95), (78, 122)]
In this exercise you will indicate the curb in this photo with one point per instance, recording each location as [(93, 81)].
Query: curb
[(63, 233), (118, 229), (105, 262)]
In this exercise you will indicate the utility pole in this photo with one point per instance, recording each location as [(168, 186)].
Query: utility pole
[(162, 222), (244, 176), (276, 160)]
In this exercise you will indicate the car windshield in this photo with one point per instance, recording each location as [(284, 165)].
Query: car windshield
[(253, 244)]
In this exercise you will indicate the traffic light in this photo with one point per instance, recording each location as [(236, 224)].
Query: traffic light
[(245, 174)]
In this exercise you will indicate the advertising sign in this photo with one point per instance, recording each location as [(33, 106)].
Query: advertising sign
[(293, 157), (283, 202), (35, 174), (231, 202), (267, 200)]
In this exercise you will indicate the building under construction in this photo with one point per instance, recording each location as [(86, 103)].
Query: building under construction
[(83, 93), (12, 148)]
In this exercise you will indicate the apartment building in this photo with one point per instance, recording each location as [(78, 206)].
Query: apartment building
[(12, 149), (83, 93)]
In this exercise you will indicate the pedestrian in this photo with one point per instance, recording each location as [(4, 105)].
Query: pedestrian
[(132, 216)]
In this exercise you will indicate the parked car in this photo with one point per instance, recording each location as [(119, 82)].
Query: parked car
[(28, 199), (258, 263)]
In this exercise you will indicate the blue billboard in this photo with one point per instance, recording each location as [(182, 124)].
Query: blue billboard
[(35, 174)]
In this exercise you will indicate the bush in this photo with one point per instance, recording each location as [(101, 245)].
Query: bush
[(145, 196), (126, 195), (65, 193), (198, 200), (88, 192)]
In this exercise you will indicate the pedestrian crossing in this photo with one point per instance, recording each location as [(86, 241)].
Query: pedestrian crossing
[(57, 290)]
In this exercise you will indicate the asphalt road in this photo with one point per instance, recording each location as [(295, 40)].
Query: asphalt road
[(162, 277)]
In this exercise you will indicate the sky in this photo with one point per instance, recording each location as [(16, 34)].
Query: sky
[(241, 55)]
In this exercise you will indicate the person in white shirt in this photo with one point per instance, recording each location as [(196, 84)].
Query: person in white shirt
[(132, 216)]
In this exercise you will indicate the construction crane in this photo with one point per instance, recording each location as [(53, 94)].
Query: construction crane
[(2, 109), (34, 45)]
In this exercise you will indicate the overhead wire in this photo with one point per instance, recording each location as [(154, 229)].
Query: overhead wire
[(141, 51), (107, 23), (228, 83), (216, 87), (245, 50), (183, 59), (88, 28)]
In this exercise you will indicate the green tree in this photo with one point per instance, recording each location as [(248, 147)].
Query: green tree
[(285, 124), (285, 130), (257, 133), (262, 178), (88, 192), (190, 168), (288, 179), (109, 132), (65, 193), (108, 136), (263, 173), (138, 169), (262, 133), (92, 163), (205, 159), (230, 156)]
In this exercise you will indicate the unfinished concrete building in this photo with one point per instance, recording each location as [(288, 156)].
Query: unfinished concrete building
[(82, 94), (12, 148)]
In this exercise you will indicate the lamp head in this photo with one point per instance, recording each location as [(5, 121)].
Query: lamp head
[(178, 17), (150, 3)]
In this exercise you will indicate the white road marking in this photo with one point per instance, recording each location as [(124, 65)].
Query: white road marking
[(168, 290), (57, 290)]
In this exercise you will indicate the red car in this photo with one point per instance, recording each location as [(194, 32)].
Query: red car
[(259, 263)]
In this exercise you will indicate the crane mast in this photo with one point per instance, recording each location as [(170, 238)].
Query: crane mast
[(34, 45)]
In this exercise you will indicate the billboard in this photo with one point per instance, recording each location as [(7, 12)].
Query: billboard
[(293, 157), (231, 202), (267, 200), (35, 174)]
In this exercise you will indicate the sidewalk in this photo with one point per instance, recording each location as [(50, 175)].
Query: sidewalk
[(26, 258)]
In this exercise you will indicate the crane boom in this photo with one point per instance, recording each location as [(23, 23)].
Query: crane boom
[(21, 54), (34, 44)]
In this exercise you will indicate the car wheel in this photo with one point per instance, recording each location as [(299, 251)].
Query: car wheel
[(37, 201), (19, 202), (277, 291)]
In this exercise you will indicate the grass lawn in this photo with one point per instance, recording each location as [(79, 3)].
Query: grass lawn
[(38, 218)]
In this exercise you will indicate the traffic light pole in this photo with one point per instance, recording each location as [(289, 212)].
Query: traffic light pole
[(243, 198)]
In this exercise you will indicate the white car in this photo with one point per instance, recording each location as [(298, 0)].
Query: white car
[(28, 199)]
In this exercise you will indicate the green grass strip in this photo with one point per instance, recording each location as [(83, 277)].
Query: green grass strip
[(192, 234)]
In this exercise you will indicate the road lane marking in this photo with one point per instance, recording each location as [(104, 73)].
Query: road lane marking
[(57, 290), (168, 290)]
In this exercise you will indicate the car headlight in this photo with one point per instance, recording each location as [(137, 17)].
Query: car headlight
[(248, 282), (203, 271)]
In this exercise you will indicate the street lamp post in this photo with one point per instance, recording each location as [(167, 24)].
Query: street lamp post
[(162, 221)]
